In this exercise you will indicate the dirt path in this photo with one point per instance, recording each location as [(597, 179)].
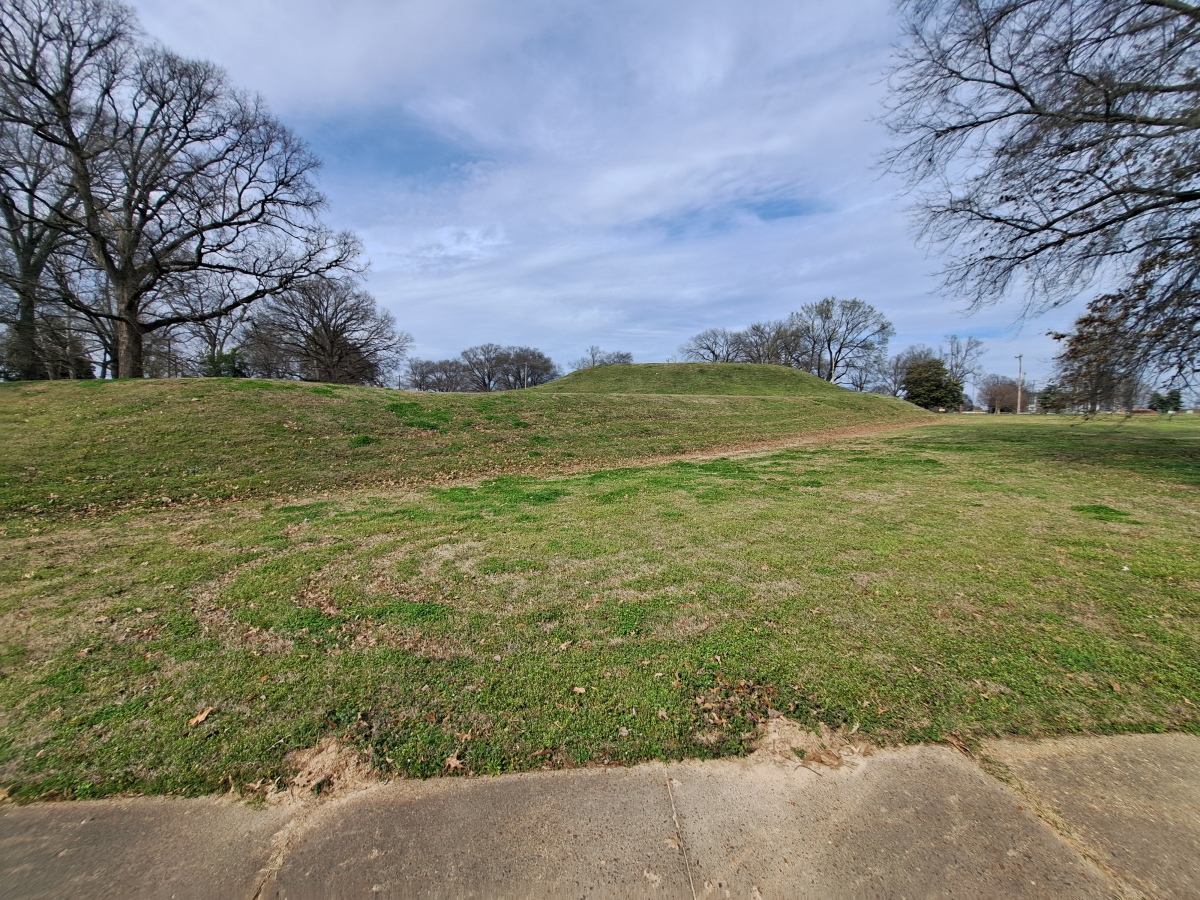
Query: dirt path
[(752, 449), (746, 450)]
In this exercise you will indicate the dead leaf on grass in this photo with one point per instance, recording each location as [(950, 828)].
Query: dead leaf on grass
[(957, 743), (326, 770), (781, 740), (200, 717), (454, 764), (579, 690)]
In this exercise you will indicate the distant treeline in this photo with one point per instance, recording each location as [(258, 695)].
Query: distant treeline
[(490, 367)]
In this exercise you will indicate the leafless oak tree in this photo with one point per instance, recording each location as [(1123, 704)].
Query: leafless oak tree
[(523, 367), (961, 356), (441, 375), (838, 340), (1054, 143), (324, 329), (843, 335), (718, 345), (597, 357), (482, 366), (33, 198), (776, 343), (172, 171), (75, 45), (998, 393)]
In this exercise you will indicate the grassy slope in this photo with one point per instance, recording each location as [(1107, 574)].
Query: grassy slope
[(982, 576), (76, 448), (741, 379)]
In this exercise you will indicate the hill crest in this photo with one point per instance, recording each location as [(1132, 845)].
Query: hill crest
[(727, 379)]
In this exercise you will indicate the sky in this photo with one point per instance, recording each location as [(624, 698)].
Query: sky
[(613, 172)]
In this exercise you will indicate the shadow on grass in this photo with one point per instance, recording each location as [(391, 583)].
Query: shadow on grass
[(1161, 449)]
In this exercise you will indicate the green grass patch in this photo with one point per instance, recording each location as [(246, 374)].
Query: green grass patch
[(1103, 513), (413, 415)]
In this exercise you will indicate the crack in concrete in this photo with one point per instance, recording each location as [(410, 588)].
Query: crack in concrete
[(1056, 823), (280, 844), (679, 837)]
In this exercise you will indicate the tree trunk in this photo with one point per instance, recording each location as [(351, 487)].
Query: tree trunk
[(27, 363), (129, 362)]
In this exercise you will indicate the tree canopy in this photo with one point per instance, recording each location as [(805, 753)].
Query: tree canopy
[(1053, 144), (929, 385), (126, 171), (841, 341)]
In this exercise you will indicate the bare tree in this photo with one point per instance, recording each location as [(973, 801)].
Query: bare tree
[(1053, 143), (838, 340), (59, 351), (442, 375), (173, 172), (418, 374), (195, 296), (893, 372), (711, 345), (776, 343), (84, 290), (484, 368), (867, 374), (33, 198), (998, 393), (961, 356), (325, 329), (523, 367), (75, 46), (597, 357), (843, 335), (482, 365)]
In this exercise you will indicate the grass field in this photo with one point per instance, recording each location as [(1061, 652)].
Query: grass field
[(974, 577)]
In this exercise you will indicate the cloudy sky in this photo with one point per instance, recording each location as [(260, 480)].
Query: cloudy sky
[(612, 172)]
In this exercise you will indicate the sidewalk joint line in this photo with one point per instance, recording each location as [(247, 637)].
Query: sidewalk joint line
[(679, 836)]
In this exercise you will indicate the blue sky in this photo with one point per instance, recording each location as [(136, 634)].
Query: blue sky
[(618, 173)]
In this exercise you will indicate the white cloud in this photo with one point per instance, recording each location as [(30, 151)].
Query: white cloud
[(590, 172)]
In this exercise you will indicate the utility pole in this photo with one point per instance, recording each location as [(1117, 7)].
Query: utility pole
[(1020, 381)]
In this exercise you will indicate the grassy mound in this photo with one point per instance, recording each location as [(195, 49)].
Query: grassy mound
[(742, 379), (95, 447)]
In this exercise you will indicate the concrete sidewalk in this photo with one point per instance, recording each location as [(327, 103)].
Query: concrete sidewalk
[(1096, 817)]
